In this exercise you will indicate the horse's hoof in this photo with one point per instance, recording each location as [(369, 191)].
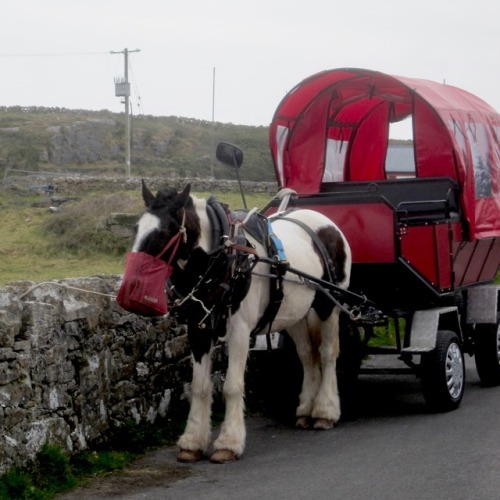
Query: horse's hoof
[(323, 424), (189, 456), (302, 423), (223, 456)]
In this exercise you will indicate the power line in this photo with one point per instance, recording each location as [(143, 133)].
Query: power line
[(137, 93), (55, 54)]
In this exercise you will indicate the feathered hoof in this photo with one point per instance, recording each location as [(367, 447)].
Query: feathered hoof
[(223, 456), (189, 456), (302, 423), (323, 424)]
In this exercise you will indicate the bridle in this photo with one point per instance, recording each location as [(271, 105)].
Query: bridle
[(175, 241)]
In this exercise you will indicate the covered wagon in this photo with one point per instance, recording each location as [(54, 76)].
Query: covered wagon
[(426, 238)]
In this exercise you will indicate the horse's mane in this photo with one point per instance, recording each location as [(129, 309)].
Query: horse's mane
[(200, 209)]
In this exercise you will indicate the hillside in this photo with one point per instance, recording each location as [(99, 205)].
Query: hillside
[(92, 142), (64, 141)]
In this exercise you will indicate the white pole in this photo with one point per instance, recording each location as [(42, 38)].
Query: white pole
[(125, 53), (212, 155)]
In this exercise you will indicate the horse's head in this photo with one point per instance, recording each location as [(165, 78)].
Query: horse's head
[(166, 233), (166, 214)]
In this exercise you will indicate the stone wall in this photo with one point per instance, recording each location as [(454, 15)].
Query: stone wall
[(74, 365), (76, 185)]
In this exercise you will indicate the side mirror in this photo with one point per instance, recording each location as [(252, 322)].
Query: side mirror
[(228, 154), (231, 156)]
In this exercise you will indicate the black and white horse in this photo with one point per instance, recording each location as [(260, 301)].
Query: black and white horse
[(222, 289)]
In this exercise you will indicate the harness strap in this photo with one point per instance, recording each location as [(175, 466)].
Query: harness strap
[(219, 222), (329, 267), (245, 249), (279, 270)]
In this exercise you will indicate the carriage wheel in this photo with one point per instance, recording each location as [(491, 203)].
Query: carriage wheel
[(443, 373), (487, 353)]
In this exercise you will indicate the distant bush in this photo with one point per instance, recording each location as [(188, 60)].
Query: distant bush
[(81, 226)]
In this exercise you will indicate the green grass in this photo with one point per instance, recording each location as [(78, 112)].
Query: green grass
[(386, 335), (28, 251), (53, 471)]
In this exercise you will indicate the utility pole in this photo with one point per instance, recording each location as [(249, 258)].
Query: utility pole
[(122, 89), (212, 153)]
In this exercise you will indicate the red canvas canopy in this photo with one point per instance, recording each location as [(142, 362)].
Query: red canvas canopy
[(334, 126)]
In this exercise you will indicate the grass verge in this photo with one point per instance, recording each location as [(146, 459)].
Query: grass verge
[(53, 471)]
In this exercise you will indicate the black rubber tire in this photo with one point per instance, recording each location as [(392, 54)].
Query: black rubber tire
[(443, 373), (487, 353)]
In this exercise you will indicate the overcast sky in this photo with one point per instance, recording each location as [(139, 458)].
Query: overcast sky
[(57, 52)]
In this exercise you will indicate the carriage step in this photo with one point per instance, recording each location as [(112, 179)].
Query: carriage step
[(386, 371), (383, 365)]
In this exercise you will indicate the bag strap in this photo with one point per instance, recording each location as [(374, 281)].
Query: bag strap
[(174, 241)]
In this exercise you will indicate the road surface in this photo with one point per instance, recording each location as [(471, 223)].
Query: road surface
[(390, 447)]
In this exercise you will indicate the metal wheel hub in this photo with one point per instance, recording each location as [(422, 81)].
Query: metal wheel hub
[(454, 370)]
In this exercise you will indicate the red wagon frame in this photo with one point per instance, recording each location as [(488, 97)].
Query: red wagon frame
[(426, 247)]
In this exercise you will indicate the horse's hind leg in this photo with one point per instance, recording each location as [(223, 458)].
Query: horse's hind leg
[(196, 437), (303, 335), (326, 408)]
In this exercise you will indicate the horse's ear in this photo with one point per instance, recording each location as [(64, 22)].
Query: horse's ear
[(182, 198), (147, 195)]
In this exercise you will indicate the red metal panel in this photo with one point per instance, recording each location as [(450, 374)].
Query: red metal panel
[(476, 261), (476, 264), (492, 263), (418, 249), (443, 256), (427, 249), (462, 252)]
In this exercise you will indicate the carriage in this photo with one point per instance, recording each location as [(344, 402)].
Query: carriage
[(348, 247), (425, 236)]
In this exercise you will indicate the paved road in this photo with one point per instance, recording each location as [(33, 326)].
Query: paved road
[(390, 448)]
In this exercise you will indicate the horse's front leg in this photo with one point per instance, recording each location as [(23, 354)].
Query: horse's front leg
[(230, 444), (196, 437)]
